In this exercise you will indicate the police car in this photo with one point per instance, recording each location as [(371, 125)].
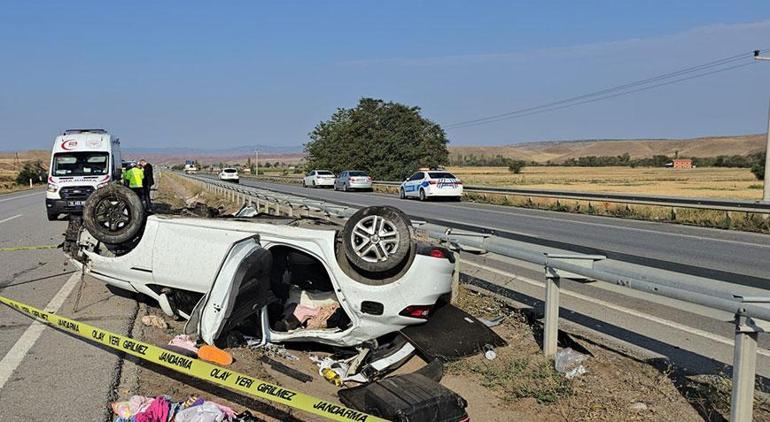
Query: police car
[(427, 184)]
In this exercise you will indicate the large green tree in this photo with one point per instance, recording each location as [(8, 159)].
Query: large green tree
[(389, 140)]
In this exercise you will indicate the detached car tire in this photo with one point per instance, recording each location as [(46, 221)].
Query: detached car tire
[(114, 214), (377, 239)]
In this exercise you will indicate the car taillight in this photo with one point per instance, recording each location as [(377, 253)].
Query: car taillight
[(437, 253), (417, 311)]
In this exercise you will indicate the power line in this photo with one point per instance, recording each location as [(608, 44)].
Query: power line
[(592, 100), (694, 72)]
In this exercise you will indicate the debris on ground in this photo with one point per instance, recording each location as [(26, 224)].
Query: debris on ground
[(247, 211), (154, 321), (278, 350), (408, 397), (286, 370), (568, 362), (215, 355), (494, 322), (184, 345)]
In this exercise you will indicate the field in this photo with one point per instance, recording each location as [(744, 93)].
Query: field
[(711, 182), (10, 164)]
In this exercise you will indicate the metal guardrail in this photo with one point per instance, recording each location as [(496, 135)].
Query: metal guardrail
[(758, 207), (745, 309)]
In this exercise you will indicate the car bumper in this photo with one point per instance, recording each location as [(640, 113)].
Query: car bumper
[(433, 191), (360, 185), (61, 206), (324, 182), (230, 179)]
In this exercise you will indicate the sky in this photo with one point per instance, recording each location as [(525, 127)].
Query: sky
[(226, 74)]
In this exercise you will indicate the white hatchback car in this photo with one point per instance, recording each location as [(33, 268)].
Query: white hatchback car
[(318, 179), (229, 174), (335, 285), (426, 184)]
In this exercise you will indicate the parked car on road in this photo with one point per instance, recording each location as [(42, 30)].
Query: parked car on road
[(360, 281), (353, 179), (426, 184), (318, 178), (229, 174)]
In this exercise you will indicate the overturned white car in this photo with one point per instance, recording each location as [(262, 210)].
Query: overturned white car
[(299, 280)]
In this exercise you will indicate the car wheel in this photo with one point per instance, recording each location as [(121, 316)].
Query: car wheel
[(113, 214), (422, 195), (401, 193), (345, 187), (377, 239), (53, 216), (313, 182), (304, 185)]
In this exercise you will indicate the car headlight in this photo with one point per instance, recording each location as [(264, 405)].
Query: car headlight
[(52, 187)]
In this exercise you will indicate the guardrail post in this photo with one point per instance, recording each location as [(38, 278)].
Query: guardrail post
[(551, 323), (455, 279), (744, 369)]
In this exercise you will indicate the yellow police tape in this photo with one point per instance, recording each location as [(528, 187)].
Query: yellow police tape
[(195, 367), (28, 248)]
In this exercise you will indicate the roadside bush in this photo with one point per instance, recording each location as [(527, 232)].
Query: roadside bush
[(34, 171), (515, 166), (758, 168)]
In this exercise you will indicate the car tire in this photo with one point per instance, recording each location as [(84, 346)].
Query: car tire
[(304, 185), (345, 188), (422, 195), (53, 216), (401, 193), (377, 239), (313, 182), (114, 214)]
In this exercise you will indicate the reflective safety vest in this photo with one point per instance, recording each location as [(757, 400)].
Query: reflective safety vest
[(134, 176)]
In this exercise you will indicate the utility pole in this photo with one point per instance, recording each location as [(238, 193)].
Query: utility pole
[(256, 162), (766, 191)]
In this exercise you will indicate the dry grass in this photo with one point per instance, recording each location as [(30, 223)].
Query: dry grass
[(711, 182), (525, 386)]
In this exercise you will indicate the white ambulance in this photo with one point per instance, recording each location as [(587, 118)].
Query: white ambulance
[(82, 160)]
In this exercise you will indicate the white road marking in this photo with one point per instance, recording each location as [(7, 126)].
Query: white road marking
[(19, 197), (607, 305), (10, 218), (18, 352)]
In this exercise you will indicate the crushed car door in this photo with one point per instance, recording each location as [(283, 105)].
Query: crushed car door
[(241, 289)]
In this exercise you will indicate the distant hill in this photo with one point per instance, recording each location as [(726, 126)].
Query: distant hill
[(554, 151), (559, 151)]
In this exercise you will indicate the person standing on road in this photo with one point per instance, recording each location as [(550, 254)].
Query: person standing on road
[(135, 176), (149, 180)]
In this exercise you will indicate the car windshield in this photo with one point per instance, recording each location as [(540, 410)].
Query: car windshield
[(324, 173), (357, 173), (441, 175), (230, 170), (80, 164)]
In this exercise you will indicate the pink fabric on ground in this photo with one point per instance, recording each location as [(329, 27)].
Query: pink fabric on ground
[(157, 412), (134, 405)]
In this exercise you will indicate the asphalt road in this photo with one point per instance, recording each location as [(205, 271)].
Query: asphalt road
[(731, 256), (46, 374)]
